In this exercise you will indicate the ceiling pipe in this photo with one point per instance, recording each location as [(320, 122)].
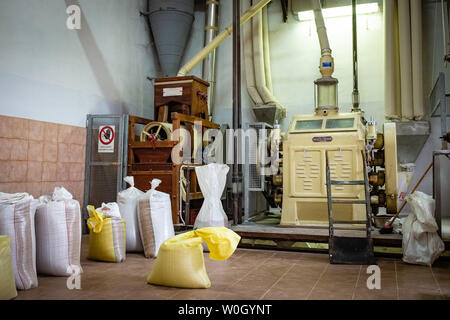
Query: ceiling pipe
[(355, 94), (220, 38), (416, 54), (389, 56), (325, 87), (326, 58), (237, 121), (266, 49), (259, 61), (406, 88), (248, 60), (209, 65)]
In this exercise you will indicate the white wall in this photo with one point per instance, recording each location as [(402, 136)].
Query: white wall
[(50, 73)]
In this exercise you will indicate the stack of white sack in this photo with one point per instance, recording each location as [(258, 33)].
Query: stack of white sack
[(17, 213), (128, 203), (58, 234)]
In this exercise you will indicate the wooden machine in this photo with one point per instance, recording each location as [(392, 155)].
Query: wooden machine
[(180, 102)]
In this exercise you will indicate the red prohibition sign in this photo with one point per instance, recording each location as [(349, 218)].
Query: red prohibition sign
[(103, 131)]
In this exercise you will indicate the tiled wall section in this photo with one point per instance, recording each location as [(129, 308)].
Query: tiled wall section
[(36, 156)]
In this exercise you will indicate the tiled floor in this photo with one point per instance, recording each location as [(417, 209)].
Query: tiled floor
[(254, 274)]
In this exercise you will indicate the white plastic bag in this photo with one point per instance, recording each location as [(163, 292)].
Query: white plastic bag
[(128, 202), (421, 243), (405, 177), (155, 219), (17, 212), (110, 210), (58, 234), (212, 179)]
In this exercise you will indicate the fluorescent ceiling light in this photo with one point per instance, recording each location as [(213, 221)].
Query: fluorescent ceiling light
[(341, 11)]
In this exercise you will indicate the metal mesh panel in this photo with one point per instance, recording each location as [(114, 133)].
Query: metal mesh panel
[(256, 180), (103, 185), (103, 170)]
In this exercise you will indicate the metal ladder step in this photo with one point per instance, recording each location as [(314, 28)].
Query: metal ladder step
[(349, 250), (348, 183), (349, 221), (350, 201)]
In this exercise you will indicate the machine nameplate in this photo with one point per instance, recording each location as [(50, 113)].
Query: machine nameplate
[(322, 139)]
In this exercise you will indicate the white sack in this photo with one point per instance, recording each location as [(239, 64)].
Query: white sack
[(128, 202), (58, 234), (17, 213), (155, 219), (421, 243), (212, 179), (110, 210)]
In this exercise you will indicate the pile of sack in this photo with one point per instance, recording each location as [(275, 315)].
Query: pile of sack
[(137, 222), (37, 236)]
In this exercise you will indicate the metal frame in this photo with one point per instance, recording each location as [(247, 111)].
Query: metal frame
[(122, 156), (437, 187), (438, 98), (265, 127)]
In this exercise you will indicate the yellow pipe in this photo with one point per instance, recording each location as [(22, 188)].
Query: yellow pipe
[(220, 38)]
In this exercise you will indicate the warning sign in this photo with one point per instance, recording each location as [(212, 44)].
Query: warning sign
[(106, 139)]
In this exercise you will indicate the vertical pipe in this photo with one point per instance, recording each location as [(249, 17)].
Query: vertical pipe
[(237, 169), (417, 71), (389, 59), (355, 95), (258, 59), (404, 24), (248, 59), (266, 49), (209, 65)]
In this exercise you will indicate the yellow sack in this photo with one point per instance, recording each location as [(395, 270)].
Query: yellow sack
[(106, 237), (7, 282), (180, 260)]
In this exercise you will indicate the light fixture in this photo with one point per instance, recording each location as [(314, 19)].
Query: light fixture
[(341, 11)]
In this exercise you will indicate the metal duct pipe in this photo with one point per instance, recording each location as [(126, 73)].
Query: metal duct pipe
[(355, 94), (171, 22), (209, 65), (258, 60), (389, 55), (220, 38), (321, 29), (406, 88), (326, 60), (417, 70), (237, 121), (266, 49), (248, 61)]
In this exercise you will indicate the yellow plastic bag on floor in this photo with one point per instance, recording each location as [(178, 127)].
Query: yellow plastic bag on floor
[(7, 282), (106, 237), (180, 260)]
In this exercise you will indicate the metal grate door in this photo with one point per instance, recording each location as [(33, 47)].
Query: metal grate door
[(104, 170)]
